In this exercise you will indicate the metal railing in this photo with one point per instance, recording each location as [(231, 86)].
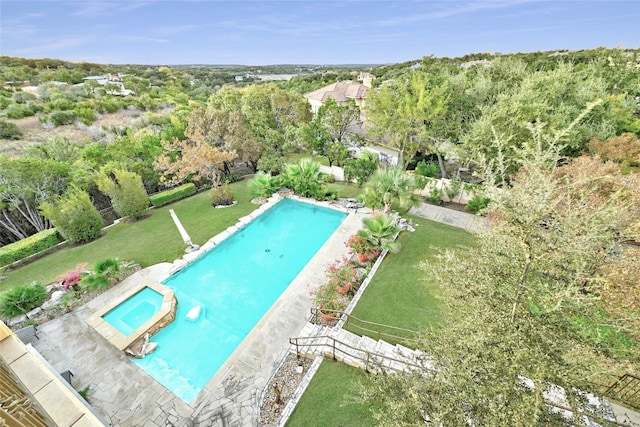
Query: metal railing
[(365, 327), (625, 390), (372, 360)]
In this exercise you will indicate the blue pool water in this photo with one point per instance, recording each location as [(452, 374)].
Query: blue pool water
[(235, 284), (135, 311)]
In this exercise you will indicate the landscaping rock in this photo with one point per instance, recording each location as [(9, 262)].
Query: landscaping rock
[(53, 299)]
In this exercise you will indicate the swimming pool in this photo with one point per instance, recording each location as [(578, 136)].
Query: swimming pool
[(135, 311), (231, 287)]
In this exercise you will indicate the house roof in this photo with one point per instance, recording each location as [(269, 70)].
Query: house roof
[(339, 91)]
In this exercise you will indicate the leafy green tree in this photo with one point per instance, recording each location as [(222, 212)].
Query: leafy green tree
[(554, 97), (387, 186), (510, 313), (24, 184), (74, 216), (361, 168), (271, 161), (403, 112), (126, 191)]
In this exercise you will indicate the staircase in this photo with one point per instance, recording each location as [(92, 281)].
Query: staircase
[(362, 352)]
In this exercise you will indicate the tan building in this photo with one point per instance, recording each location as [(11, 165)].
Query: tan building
[(33, 394), (341, 92)]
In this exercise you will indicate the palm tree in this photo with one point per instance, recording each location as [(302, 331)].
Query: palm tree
[(379, 230), (305, 178), (389, 185), (264, 185)]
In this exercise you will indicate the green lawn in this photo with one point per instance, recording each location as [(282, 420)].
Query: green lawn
[(398, 295), (328, 401), (149, 241), (152, 240)]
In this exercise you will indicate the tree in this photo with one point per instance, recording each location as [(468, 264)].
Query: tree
[(554, 97), (24, 184), (380, 230), (304, 178), (402, 113), (332, 129), (387, 186), (361, 168), (510, 313), (74, 216), (264, 185), (200, 162), (126, 191)]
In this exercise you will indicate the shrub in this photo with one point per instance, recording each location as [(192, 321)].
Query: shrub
[(362, 248), (427, 169), (454, 188), (478, 204), (126, 191), (75, 217), (22, 298), (16, 111), (59, 118), (29, 246), (264, 185), (230, 179), (85, 114), (72, 278), (222, 196), (172, 195), (343, 277), (435, 195), (9, 130), (103, 275)]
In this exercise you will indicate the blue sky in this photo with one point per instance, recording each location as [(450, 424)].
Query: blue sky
[(306, 32)]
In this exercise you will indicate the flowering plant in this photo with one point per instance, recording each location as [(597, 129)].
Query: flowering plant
[(71, 278), (362, 247), (343, 277), (326, 298)]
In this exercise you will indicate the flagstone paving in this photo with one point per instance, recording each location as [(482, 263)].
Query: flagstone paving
[(126, 396)]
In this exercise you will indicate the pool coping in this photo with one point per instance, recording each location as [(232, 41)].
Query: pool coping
[(189, 257), (117, 338)]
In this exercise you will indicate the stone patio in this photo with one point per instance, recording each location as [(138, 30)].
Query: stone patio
[(126, 396)]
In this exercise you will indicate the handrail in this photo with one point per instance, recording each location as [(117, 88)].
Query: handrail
[(626, 389), (371, 356), (376, 329)]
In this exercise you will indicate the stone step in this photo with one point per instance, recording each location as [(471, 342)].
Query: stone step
[(385, 348), (405, 351), (367, 343)]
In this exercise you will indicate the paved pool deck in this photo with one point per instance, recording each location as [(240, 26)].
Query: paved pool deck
[(126, 396)]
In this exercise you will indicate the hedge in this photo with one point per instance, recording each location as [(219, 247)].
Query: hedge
[(29, 246), (170, 196)]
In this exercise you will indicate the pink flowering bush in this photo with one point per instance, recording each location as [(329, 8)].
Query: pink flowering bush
[(343, 277), (362, 248), (71, 278)]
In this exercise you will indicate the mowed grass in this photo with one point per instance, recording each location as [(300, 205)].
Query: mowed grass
[(399, 294), (329, 401), (149, 241)]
